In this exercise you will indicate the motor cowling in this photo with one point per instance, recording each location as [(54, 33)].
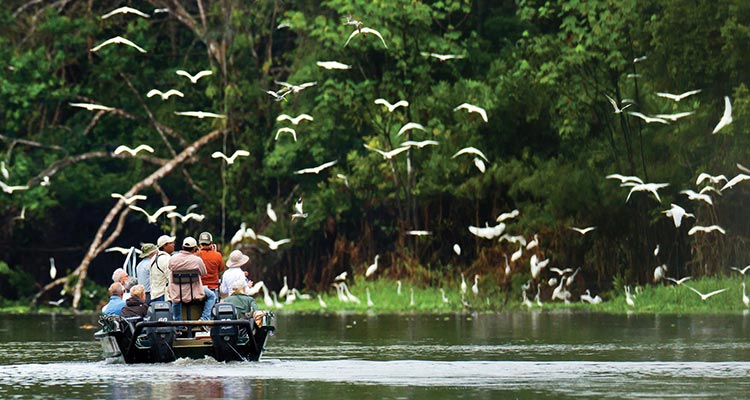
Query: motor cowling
[(225, 337), (161, 337)]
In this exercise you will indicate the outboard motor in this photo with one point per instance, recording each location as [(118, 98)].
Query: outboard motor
[(161, 337), (225, 337)]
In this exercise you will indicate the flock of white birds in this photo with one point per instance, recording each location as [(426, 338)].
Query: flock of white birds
[(562, 278)]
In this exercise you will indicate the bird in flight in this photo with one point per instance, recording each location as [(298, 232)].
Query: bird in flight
[(230, 160), (648, 119), (737, 179), (472, 108), (674, 117), (125, 10), (442, 57), (707, 295), (194, 78), (152, 217), (121, 250), (365, 31), (417, 232), (645, 187), (726, 118), (317, 169), (10, 189), (678, 97), (392, 107), (470, 150), (706, 229), (583, 231), (199, 114), (712, 179), (273, 244), (271, 213), (332, 65), (277, 96), (164, 96), (186, 217), (677, 213), (298, 213), (409, 126), (387, 154), (92, 107), (741, 270), (624, 179), (617, 109), (679, 281), (122, 149), (296, 88), (697, 196), (286, 130), (129, 200), (117, 40), (423, 143), (294, 120)]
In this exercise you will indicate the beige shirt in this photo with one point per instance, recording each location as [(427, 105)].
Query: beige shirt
[(160, 275)]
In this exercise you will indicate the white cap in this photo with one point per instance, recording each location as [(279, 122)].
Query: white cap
[(164, 239), (189, 242)]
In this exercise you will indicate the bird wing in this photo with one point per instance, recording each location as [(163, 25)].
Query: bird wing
[(707, 295), (184, 73), (470, 150), (383, 102), (283, 117), (136, 208), (409, 126), (376, 33), (613, 102), (218, 154), (122, 40), (154, 92), (726, 118), (668, 96), (163, 210), (122, 149), (174, 214), (173, 92), (124, 10), (201, 74), (144, 147), (240, 153), (353, 34)]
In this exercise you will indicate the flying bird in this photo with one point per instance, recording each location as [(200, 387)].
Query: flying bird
[(392, 107), (277, 96), (417, 232), (470, 150), (472, 108), (317, 169), (726, 118), (617, 109), (698, 196), (583, 231), (10, 189), (442, 57), (123, 149), (92, 107), (707, 295), (4, 170), (624, 179), (677, 213), (194, 78), (298, 213), (124, 10), (679, 281), (387, 155), (674, 117), (199, 114), (230, 160), (706, 229), (288, 130), (296, 88), (737, 179), (186, 217), (163, 95), (129, 200), (271, 213), (332, 65), (117, 40), (365, 31), (507, 215), (678, 97), (423, 143), (714, 180), (648, 119), (409, 126), (153, 217), (646, 187), (295, 120), (741, 270), (121, 250), (273, 244)]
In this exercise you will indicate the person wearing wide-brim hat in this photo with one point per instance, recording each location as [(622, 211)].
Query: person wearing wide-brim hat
[(234, 272), (143, 269)]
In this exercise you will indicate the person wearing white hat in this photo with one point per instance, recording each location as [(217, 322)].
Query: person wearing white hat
[(184, 262), (233, 272), (159, 268)]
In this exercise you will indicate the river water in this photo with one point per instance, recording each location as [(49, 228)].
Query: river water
[(525, 355)]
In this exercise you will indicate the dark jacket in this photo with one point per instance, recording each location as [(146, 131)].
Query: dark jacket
[(134, 307)]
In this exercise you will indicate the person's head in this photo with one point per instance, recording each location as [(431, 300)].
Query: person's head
[(239, 286), (237, 259), (166, 243), (189, 244), (120, 276), (129, 283), (148, 250), (205, 240), (116, 289), (138, 291)]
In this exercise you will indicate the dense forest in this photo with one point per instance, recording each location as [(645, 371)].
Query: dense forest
[(543, 72)]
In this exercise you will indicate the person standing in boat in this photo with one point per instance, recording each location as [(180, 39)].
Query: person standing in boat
[(234, 272), (143, 270), (136, 305), (213, 261), (159, 270), (116, 303), (186, 261), (245, 305)]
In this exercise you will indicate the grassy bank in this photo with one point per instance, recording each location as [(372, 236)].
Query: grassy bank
[(650, 299)]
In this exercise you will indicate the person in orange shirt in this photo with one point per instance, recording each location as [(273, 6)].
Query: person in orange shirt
[(213, 260)]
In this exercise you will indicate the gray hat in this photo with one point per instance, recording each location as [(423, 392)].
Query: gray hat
[(205, 238), (147, 249)]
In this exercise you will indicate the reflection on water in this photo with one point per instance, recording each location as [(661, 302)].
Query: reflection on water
[(519, 355)]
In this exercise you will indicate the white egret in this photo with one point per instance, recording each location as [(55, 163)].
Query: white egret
[(387, 155), (322, 303), (745, 299), (442, 57), (117, 40), (369, 299), (295, 120), (512, 214), (184, 218), (398, 287), (726, 118), (123, 149), (678, 97), (615, 106), (298, 213), (373, 267), (153, 217), (648, 119), (697, 196), (679, 281), (464, 287), (677, 213), (420, 144), (624, 179), (4, 170), (741, 271), (317, 169), (479, 164), (660, 272), (163, 95), (533, 243), (92, 107), (409, 126), (284, 289), (124, 10), (674, 117), (52, 269), (645, 187), (470, 150), (706, 229), (340, 277), (656, 250), (442, 296), (394, 106), (628, 297), (472, 108), (583, 231), (457, 249), (273, 244), (199, 114), (707, 295), (267, 297), (296, 88), (10, 189), (737, 179), (570, 279), (365, 31), (230, 160), (333, 65), (411, 301), (270, 212), (194, 78), (715, 180), (475, 286)]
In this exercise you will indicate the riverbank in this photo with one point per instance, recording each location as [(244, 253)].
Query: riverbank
[(385, 297)]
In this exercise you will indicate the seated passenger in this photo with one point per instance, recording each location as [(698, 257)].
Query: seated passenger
[(136, 305), (116, 303), (187, 262), (233, 272), (244, 304)]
